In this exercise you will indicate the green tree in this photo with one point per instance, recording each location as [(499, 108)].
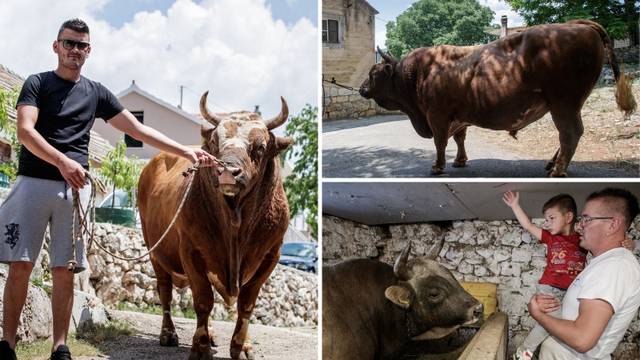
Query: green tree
[(436, 22), (7, 101), (620, 18), (302, 184), (121, 172)]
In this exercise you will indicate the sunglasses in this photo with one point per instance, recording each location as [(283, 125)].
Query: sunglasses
[(70, 44)]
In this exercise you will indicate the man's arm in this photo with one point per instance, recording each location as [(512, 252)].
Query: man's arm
[(71, 171), (581, 334), (127, 123), (512, 200)]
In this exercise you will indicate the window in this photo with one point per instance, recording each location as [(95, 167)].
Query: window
[(330, 31), (131, 142)]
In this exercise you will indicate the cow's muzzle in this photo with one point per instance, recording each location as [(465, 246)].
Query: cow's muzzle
[(228, 180), (364, 92)]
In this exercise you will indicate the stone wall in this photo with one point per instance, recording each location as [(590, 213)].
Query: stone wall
[(288, 298), (340, 103), (499, 252)]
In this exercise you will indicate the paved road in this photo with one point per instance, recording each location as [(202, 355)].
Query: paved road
[(269, 343), (387, 146)]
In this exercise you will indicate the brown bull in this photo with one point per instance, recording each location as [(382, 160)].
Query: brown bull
[(504, 85), (230, 230)]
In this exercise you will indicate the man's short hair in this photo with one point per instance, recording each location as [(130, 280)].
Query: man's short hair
[(75, 25), (564, 202), (618, 200)]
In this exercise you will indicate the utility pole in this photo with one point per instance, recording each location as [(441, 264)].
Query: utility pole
[(181, 91)]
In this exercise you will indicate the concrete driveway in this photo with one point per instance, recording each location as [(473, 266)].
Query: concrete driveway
[(387, 146)]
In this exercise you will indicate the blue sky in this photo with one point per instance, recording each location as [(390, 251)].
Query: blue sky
[(389, 11), (119, 12), (245, 52)]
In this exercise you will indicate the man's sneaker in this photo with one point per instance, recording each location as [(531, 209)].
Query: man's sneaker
[(62, 353), (523, 355), (6, 352)]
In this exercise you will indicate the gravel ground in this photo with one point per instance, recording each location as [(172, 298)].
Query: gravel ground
[(607, 135), (269, 343)]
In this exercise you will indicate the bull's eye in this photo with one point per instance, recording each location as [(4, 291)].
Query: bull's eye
[(433, 293), (259, 149)]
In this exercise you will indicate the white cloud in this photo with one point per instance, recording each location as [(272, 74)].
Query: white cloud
[(500, 7), (234, 48)]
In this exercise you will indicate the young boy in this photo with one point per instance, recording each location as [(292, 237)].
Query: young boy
[(565, 258)]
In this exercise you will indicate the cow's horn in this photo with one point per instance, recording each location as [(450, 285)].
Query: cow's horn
[(212, 118), (387, 57), (280, 119), (400, 267)]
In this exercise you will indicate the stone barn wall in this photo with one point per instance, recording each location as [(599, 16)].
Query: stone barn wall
[(499, 252)]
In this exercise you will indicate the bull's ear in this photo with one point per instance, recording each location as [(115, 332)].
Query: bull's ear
[(282, 143), (399, 295), (206, 130), (388, 69)]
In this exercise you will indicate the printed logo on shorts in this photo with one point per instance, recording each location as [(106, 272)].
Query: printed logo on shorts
[(12, 234)]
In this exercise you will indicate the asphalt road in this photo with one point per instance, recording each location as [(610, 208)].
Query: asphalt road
[(387, 146)]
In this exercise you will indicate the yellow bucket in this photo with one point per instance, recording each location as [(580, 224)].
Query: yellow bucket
[(484, 292)]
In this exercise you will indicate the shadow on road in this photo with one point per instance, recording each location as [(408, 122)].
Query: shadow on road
[(146, 346), (384, 162), (336, 125)]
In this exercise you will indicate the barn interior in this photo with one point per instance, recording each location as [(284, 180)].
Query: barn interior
[(475, 235)]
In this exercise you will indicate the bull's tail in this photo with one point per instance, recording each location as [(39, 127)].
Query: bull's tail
[(624, 96)]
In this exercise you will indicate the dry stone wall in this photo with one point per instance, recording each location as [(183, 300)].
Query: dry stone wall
[(288, 298), (340, 103), (499, 252)]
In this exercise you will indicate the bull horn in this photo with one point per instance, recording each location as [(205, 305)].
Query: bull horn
[(387, 57), (280, 119), (400, 267), (212, 118)]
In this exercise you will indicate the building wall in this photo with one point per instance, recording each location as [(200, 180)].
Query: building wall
[(499, 252), (349, 62), (177, 127)]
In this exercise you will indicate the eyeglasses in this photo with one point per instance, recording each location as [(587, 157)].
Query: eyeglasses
[(587, 219), (70, 44)]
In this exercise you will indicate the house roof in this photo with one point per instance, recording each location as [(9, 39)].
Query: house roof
[(98, 146), (375, 12), (133, 88)]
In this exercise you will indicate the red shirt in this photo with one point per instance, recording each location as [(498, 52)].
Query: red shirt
[(565, 259)]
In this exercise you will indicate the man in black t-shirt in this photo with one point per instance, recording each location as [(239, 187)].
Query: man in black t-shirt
[(56, 111)]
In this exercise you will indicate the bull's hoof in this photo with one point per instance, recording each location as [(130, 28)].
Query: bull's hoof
[(459, 163), (244, 353), (204, 355), (549, 166), (436, 170), (168, 338), (558, 174), (212, 340)]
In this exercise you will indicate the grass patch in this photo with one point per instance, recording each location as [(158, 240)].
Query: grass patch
[(39, 282), (112, 330), (188, 313), (85, 345), (41, 349)]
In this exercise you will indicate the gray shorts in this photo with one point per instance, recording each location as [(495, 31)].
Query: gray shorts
[(31, 205)]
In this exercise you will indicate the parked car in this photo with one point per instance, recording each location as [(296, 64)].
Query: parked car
[(122, 213), (302, 256)]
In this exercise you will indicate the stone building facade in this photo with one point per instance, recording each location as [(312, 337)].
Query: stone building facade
[(499, 252), (348, 52)]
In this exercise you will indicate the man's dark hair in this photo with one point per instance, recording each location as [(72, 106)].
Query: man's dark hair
[(75, 25), (564, 202), (619, 200)]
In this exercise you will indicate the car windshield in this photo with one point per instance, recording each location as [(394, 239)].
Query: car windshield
[(302, 250)]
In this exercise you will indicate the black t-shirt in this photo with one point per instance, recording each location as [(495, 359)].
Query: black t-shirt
[(66, 114)]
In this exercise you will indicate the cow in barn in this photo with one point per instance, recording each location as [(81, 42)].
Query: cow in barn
[(504, 85), (371, 310), (231, 227)]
